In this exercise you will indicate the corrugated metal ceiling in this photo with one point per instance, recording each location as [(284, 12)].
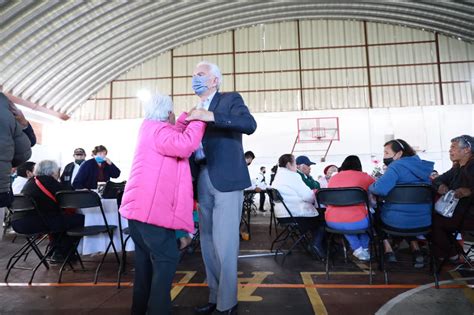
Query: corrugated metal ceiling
[(55, 54)]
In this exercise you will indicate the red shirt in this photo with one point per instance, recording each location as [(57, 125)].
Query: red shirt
[(349, 213)]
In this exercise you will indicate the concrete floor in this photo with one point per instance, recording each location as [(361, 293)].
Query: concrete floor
[(267, 287)]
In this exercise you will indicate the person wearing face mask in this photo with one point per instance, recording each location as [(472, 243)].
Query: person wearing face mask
[(98, 169), (403, 167), (222, 175), (71, 170)]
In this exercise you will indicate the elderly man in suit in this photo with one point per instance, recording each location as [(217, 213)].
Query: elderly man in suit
[(222, 175)]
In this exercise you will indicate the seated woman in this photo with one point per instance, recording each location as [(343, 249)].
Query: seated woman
[(459, 178), (351, 217), (300, 201), (98, 169), (158, 200), (42, 188), (403, 167)]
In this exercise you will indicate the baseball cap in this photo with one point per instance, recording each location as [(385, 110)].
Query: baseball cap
[(303, 159)]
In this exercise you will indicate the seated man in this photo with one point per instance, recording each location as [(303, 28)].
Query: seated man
[(303, 165), (23, 172)]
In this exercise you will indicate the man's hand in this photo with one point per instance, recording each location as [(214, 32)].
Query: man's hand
[(200, 114), (18, 114), (462, 192), (443, 189)]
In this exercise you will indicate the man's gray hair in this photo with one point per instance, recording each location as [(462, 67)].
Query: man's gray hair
[(158, 107), (47, 168), (464, 141), (214, 70)]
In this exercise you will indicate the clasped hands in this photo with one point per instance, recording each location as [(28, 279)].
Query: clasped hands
[(200, 114)]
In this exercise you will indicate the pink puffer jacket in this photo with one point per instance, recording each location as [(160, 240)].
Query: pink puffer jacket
[(159, 190)]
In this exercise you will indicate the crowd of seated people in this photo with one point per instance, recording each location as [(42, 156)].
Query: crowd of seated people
[(402, 166)]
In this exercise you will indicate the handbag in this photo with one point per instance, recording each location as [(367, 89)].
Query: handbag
[(446, 204)]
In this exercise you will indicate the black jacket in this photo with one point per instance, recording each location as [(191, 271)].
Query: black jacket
[(458, 177), (66, 176)]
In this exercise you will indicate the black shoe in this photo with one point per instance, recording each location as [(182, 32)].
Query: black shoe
[(205, 309), (390, 257), (262, 210), (230, 311), (418, 260)]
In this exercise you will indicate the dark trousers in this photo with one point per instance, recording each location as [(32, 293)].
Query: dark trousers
[(443, 229), (156, 258), (55, 225), (262, 200)]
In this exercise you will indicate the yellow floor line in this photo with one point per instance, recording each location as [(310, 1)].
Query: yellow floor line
[(468, 292)]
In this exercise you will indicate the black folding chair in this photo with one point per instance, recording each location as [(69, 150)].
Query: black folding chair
[(342, 197), (86, 200), (24, 205), (408, 194), (123, 242), (273, 220), (291, 230)]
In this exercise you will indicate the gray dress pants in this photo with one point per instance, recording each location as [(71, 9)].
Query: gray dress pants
[(219, 220)]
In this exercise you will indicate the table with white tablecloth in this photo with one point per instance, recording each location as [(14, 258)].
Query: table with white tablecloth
[(98, 243)]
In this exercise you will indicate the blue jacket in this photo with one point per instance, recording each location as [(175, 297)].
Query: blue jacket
[(407, 170), (222, 143), (87, 175)]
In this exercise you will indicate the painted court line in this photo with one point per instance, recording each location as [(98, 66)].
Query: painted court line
[(256, 285)]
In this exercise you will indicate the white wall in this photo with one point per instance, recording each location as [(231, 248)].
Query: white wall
[(362, 132)]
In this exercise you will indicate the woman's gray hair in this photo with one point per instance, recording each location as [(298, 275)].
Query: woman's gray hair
[(214, 70), (465, 141), (47, 168), (158, 107)]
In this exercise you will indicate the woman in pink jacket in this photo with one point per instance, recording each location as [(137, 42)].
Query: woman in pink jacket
[(158, 200)]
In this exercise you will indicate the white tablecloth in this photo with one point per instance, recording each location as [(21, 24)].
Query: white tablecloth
[(98, 243)]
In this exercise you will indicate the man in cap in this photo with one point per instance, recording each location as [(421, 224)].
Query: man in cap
[(70, 171), (303, 165)]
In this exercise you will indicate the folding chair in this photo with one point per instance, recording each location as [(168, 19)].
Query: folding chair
[(123, 242), (86, 200), (408, 194), (273, 220), (27, 206), (342, 197), (291, 230)]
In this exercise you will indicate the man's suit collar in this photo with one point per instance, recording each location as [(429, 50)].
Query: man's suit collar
[(215, 101)]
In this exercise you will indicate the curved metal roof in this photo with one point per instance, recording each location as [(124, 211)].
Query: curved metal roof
[(55, 54)]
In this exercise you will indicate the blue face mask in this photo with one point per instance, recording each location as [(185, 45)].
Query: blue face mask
[(199, 84), (99, 159)]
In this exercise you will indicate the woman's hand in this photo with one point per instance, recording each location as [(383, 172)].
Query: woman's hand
[(462, 192), (108, 161), (443, 189), (18, 114)]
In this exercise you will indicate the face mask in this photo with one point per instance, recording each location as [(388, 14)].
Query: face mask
[(199, 84), (99, 159), (263, 172), (79, 161), (387, 161)]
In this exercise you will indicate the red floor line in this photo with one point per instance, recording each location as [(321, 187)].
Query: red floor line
[(256, 285)]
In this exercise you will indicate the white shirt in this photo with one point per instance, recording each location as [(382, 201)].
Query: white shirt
[(260, 181), (18, 184), (297, 196), (199, 154), (75, 171)]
